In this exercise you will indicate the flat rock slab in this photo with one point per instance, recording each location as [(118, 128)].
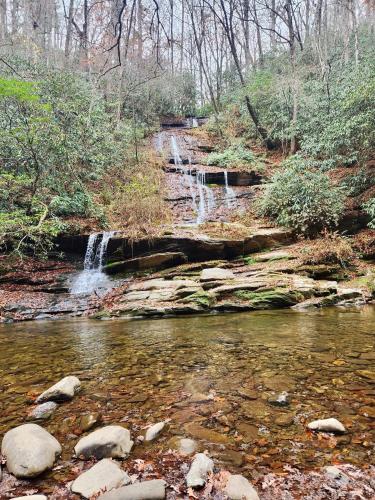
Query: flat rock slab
[(216, 274), (29, 450), (64, 390), (112, 441), (239, 488), (155, 261), (199, 470), (327, 425), (102, 477), (147, 490)]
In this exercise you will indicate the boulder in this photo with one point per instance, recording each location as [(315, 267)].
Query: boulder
[(29, 450), (216, 274), (199, 470), (112, 441), (239, 488), (102, 477), (154, 431), (64, 390), (147, 490), (327, 425), (42, 411)]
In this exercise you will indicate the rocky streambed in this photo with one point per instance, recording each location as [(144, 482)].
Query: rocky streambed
[(245, 390)]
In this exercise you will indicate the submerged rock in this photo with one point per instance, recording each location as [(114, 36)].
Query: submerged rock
[(103, 476), (64, 390), (199, 470), (239, 488), (42, 411), (29, 450), (147, 490), (187, 446), (154, 431), (327, 425), (112, 441)]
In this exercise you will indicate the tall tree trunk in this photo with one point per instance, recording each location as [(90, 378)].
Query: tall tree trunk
[(69, 28)]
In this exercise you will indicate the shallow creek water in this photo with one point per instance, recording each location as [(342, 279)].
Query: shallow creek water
[(213, 376)]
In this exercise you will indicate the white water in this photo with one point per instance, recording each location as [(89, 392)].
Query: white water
[(92, 277), (230, 195), (195, 123), (203, 198)]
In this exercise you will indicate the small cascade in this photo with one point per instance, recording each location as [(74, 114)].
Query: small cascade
[(230, 195), (92, 276), (176, 152), (194, 123), (206, 198)]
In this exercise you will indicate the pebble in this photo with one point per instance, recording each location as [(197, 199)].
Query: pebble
[(103, 476), (199, 469), (327, 425), (334, 473)]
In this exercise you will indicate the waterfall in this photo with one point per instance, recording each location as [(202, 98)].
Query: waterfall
[(206, 198), (176, 152), (92, 276), (195, 123), (230, 195)]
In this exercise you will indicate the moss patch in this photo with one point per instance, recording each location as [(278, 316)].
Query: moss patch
[(273, 298)]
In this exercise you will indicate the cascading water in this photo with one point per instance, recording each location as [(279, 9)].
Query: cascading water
[(195, 123), (230, 195), (92, 277), (197, 185)]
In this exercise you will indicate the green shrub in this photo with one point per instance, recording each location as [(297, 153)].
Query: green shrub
[(370, 210), (303, 198), (236, 156)]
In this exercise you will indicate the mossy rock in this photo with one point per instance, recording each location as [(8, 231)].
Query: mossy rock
[(204, 299), (269, 299)]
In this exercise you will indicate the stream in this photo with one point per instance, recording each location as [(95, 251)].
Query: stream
[(218, 378)]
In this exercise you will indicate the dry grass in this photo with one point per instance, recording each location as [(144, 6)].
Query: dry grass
[(133, 198), (330, 248)]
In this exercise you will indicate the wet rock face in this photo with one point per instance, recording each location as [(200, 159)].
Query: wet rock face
[(103, 476), (64, 390), (147, 490), (112, 441), (29, 450), (199, 470)]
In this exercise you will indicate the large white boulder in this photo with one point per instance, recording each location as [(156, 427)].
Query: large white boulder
[(103, 476), (64, 390), (29, 450), (147, 490), (112, 441), (199, 470)]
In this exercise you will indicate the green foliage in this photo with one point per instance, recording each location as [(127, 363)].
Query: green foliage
[(236, 156), (56, 138), (358, 183), (302, 197), (370, 210)]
